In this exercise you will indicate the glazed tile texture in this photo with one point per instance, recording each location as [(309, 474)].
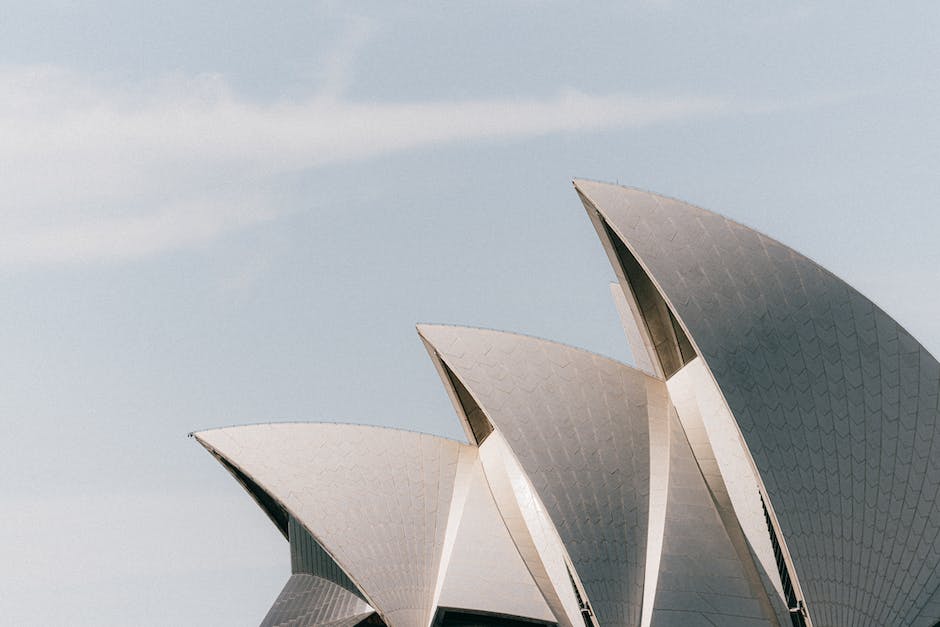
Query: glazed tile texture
[(578, 423), (308, 557), (837, 403), (701, 581), (376, 499), (725, 465), (484, 570), (308, 601)]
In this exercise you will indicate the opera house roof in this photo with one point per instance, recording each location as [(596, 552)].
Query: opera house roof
[(768, 461)]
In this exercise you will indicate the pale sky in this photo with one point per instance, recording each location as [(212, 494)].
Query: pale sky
[(223, 213)]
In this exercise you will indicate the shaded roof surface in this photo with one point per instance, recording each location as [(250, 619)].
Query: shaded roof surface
[(308, 601), (838, 404)]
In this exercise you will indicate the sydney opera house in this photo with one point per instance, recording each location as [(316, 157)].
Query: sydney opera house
[(768, 461)]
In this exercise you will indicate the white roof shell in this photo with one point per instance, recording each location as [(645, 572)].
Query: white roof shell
[(376, 499), (791, 418), (409, 517)]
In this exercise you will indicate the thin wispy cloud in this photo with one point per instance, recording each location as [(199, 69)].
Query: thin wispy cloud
[(97, 171), (128, 234)]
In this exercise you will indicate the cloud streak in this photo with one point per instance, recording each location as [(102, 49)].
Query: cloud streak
[(94, 171)]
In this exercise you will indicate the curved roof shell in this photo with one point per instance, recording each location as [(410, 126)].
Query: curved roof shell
[(837, 403), (578, 424), (376, 499), (701, 580), (483, 569), (307, 600)]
